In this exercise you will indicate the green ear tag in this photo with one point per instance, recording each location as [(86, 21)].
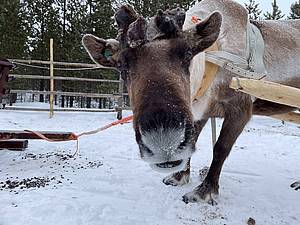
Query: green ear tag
[(107, 53)]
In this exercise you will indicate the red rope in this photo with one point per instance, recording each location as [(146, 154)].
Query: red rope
[(74, 136), (124, 120)]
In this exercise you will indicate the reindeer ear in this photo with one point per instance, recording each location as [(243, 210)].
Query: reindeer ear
[(205, 33), (100, 50)]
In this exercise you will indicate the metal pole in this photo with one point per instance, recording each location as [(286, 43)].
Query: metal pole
[(213, 131), (51, 80)]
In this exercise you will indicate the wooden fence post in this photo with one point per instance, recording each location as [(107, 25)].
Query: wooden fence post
[(51, 80)]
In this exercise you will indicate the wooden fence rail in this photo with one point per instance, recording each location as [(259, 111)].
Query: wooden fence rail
[(75, 94), (67, 64), (30, 76), (52, 66), (17, 108)]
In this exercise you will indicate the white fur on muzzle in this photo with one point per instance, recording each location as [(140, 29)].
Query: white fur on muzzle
[(164, 144)]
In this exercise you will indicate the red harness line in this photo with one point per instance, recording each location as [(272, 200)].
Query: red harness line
[(75, 137)]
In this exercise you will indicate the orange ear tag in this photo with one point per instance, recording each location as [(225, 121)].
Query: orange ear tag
[(195, 19)]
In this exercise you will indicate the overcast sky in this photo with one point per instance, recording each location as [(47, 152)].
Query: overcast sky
[(284, 5)]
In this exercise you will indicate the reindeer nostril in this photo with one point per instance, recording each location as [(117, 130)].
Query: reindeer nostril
[(145, 150), (161, 119)]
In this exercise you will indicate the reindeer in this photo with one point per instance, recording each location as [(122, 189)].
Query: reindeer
[(163, 66)]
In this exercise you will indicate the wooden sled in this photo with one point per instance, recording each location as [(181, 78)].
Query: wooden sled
[(273, 92)]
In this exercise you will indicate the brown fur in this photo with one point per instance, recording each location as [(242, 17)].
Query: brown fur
[(158, 81), (150, 89), (282, 47)]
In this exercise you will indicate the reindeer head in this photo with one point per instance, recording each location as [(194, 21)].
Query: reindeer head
[(154, 60)]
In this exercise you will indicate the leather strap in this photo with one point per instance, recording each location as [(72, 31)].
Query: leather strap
[(229, 63), (210, 72), (252, 68)]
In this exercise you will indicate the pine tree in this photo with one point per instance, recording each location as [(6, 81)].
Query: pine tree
[(148, 8), (44, 24), (13, 29), (276, 13), (295, 10), (253, 10), (100, 19)]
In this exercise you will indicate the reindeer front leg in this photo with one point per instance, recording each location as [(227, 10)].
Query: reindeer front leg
[(232, 127), (183, 177)]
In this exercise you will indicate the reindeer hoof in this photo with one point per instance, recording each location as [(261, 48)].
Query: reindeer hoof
[(203, 193), (177, 179), (296, 185)]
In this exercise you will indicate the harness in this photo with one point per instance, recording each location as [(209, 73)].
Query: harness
[(252, 67)]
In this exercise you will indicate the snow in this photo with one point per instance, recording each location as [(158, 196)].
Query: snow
[(109, 185)]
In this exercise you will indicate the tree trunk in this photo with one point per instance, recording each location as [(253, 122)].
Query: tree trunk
[(99, 103), (62, 97), (104, 103), (71, 101), (82, 102), (88, 102), (63, 101), (42, 88)]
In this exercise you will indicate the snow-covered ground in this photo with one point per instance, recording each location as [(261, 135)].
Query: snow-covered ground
[(109, 185)]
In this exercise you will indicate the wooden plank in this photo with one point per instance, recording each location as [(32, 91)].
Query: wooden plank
[(15, 134), (15, 145), (58, 110), (269, 91), (288, 117), (80, 94), (30, 76)]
